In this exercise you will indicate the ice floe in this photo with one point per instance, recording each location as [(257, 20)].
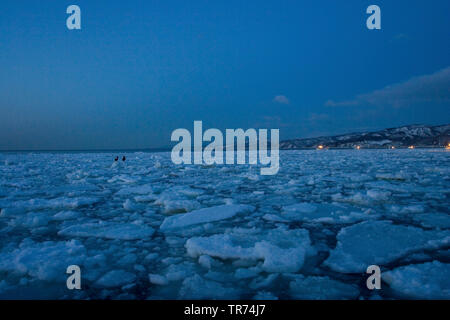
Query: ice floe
[(44, 261), (203, 216), (428, 280), (281, 250), (380, 243)]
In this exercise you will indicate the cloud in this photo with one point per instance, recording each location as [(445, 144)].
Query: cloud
[(432, 88), (281, 99)]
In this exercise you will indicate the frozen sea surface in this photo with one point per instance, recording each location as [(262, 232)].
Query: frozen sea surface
[(149, 229)]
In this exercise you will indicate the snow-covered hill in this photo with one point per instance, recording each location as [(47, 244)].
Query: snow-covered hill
[(416, 135)]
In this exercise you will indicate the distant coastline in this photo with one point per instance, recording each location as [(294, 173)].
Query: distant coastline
[(410, 136)]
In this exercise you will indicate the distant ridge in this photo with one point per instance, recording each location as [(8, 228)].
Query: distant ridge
[(402, 137)]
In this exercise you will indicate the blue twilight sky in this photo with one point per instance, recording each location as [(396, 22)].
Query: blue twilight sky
[(139, 69)]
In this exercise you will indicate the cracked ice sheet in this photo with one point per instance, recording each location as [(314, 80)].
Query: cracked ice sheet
[(380, 243), (281, 250), (428, 280)]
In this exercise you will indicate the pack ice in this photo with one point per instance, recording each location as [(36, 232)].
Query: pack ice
[(149, 229)]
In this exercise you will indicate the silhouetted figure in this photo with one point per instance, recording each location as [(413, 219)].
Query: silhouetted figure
[(123, 158), (116, 159)]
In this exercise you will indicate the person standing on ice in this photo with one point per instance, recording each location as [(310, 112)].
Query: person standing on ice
[(123, 158), (116, 158)]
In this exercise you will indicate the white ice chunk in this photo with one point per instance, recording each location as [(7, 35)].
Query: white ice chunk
[(380, 242), (204, 215), (158, 279), (281, 250), (177, 206), (176, 272), (44, 261), (421, 281)]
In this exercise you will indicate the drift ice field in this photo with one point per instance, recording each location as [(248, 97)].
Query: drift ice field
[(149, 229)]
